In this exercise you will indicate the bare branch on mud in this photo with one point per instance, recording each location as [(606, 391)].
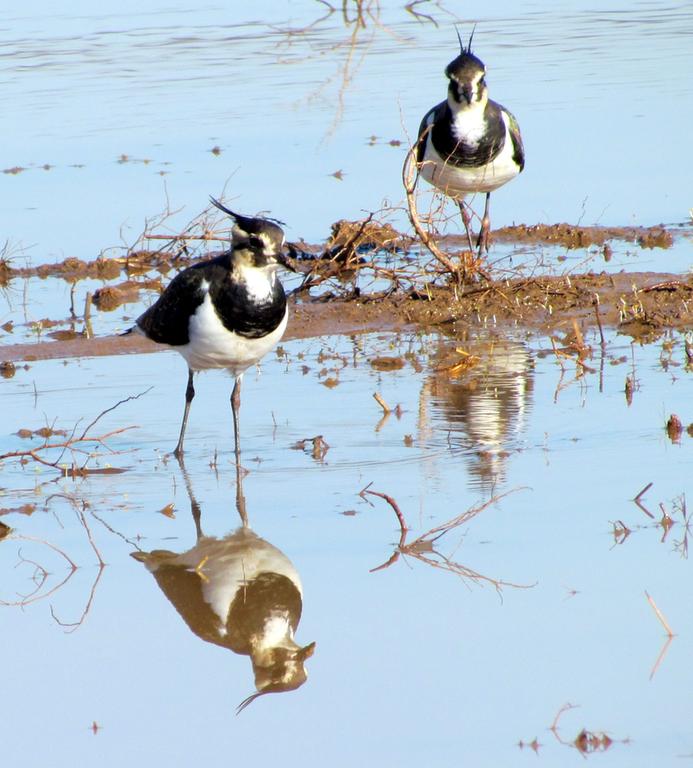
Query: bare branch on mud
[(410, 176)]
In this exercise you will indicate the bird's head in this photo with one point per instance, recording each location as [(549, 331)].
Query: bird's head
[(279, 669), (260, 240), (466, 73)]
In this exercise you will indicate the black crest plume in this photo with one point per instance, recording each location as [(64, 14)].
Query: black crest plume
[(244, 221), (468, 49)]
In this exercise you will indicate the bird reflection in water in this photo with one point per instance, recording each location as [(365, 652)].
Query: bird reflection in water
[(488, 399), (238, 592)]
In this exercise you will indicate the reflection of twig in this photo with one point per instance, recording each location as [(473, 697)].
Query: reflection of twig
[(639, 496), (41, 573), (73, 625), (554, 726), (409, 8), (661, 656), (586, 741), (112, 530), (33, 597), (422, 548)]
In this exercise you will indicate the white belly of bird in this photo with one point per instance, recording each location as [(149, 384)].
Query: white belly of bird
[(226, 565), (211, 345), (458, 182)]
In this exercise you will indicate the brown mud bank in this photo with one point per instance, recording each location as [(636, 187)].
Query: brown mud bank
[(345, 239), (641, 305)]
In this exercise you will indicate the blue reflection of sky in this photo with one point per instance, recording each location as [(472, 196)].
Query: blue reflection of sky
[(602, 95), (412, 666)]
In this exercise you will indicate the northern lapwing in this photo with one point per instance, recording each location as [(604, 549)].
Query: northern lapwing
[(469, 143), (241, 593), (227, 312)]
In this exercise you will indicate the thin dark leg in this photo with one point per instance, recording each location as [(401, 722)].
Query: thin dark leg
[(189, 394), (194, 506), (482, 242), (235, 409), (467, 221), (240, 498)]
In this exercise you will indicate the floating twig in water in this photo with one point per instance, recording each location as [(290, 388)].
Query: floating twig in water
[(74, 444), (659, 615), (378, 399)]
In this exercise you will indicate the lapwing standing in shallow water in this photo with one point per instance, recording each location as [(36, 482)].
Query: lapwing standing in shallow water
[(469, 143), (227, 312)]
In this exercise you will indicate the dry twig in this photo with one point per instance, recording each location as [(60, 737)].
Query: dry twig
[(74, 444)]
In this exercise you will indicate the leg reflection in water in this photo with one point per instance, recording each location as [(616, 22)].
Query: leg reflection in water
[(239, 592)]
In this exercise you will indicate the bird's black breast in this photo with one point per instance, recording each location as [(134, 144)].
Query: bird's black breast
[(266, 595), (167, 320), (244, 314), (468, 155)]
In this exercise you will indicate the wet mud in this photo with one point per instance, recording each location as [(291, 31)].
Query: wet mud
[(641, 305)]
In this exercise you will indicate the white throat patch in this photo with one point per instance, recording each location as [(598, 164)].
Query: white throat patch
[(258, 280), (468, 124)]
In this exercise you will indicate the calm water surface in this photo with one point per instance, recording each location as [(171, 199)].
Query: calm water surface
[(112, 113), (423, 662)]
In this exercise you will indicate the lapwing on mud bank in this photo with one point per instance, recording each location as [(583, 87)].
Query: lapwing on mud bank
[(227, 312), (469, 143)]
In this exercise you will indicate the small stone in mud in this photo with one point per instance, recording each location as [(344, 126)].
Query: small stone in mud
[(408, 441), (7, 369), (5, 530), (674, 428), (387, 363), (607, 252), (8, 326)]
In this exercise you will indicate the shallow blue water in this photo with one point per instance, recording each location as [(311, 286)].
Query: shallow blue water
[(433, 652), (291, 94), (423, 662)]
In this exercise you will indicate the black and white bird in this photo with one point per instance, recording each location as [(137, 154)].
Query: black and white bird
[(241, 593), (469, 143), (227, 312)]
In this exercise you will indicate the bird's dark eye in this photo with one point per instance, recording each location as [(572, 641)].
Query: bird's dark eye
[(255, 242), (482, 82)]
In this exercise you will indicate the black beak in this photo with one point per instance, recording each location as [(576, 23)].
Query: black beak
[(287, 259)]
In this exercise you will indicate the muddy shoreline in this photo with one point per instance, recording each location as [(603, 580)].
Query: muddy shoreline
[(641, 305)]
